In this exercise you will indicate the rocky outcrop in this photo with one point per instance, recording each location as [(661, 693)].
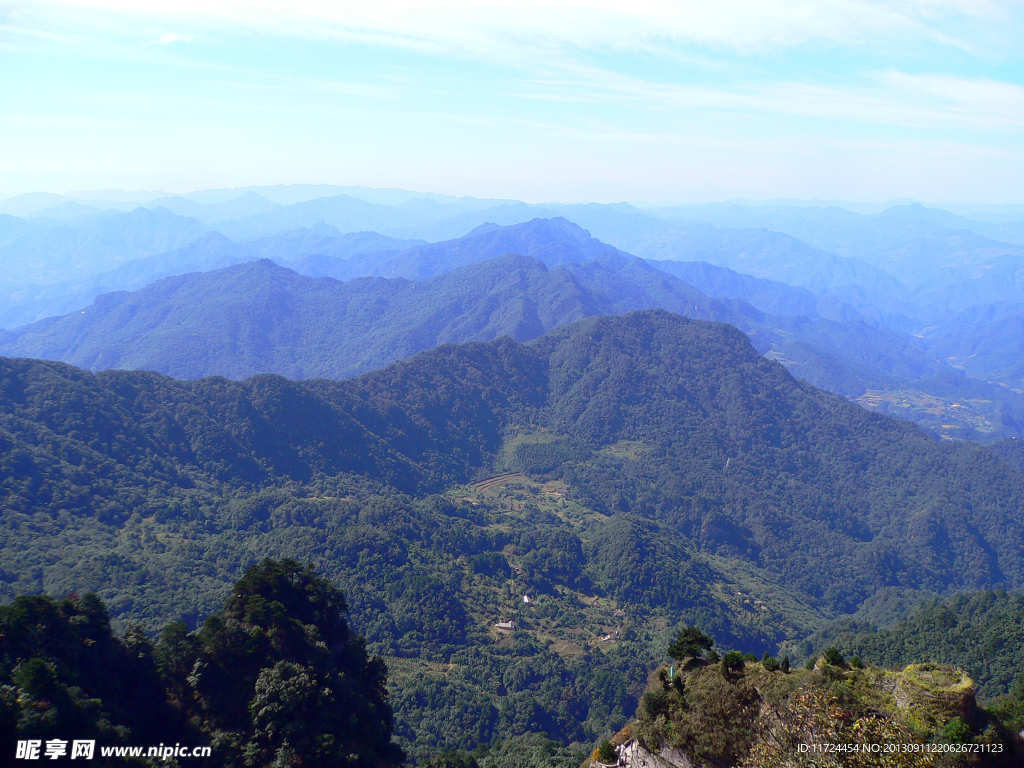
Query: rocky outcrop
[(634, 755), (934, 694)]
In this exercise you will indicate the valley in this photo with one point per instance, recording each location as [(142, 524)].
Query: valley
[(627, 474), (524, 455)]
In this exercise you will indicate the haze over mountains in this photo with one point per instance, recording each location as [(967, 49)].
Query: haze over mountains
[(891, 306), (616, 411)]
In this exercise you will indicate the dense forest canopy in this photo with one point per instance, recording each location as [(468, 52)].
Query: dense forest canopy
[(812, 482), (274, 678), (652, 469)]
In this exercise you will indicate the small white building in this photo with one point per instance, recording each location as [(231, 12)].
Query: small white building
[(527, 600), (506, 626)]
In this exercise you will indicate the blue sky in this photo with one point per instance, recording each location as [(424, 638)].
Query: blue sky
[(570, 101)]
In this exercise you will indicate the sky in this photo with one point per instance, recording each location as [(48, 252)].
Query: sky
[(538, 101)]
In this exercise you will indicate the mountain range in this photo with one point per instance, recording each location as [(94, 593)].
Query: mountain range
[(529, 442), (628, 473), (894, 295), (258, 317)]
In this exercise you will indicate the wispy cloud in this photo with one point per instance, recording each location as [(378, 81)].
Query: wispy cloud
[(491, 27), (170, 37), (726, 78)]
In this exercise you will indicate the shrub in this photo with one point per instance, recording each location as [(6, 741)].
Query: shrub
[(770, 663), (606, 752), (956, 731), (654, 703)]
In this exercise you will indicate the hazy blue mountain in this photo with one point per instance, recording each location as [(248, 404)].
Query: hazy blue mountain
[(246, 204), (848, 321), (451, 227), (848, 357), (769, 296), (66, 213), (309, 251), (259, 317), (346, 213), (606, 221), (768, 255), (14, 227), (953, 289), (832, 346), (841, 284), (553, 241), (37, 252), (896, 267), (992, 351), (911, 242), (209, 252), (262, 318), (30, 202), (289, 194), (30, 303), (320, 250)]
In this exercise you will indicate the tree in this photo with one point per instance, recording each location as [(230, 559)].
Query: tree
[(278, 678), (732, 662), (64, 675), (453, 758), (606, 752), (690, 642), (834, 657), (784, 665)]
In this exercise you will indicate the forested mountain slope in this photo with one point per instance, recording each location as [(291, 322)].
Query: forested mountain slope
[(835, 500), (665, 472), (260, 318)]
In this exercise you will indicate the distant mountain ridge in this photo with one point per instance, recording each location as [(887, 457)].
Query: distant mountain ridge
[(258, 317), (40, 253), (907, 279)]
